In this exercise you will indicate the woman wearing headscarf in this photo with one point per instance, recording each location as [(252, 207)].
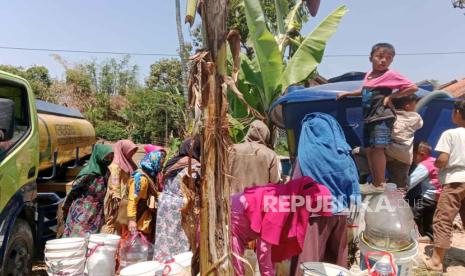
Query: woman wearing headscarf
[(148, 149), (121, 170), (83, 206), (142, 195), (179, 203)]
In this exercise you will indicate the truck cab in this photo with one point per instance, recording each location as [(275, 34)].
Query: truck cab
[(19, 158)]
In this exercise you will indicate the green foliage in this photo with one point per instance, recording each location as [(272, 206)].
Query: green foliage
[(282, 148), (110, 97), (165, 75), (154, 115), (266, 76), (78, 78), (310, 52), (110, 130), (37, 76), (237, 130), (173, 147)]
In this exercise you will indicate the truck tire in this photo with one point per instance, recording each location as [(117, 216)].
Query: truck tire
[(19, 251)]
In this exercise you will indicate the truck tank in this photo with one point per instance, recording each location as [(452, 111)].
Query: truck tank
[(63, 130)]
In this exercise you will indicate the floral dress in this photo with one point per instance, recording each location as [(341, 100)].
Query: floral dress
[(85, 205), (170, 238)]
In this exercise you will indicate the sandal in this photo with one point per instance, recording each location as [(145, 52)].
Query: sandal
[(427, 266)]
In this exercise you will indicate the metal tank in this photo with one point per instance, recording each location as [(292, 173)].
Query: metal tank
[(64, 135)]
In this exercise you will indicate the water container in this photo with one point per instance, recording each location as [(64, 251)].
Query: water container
[(142, 269), (135, 250), (319, 268), (101, 255), (65, 256), (403, 259), (385, 266), (389, 221)]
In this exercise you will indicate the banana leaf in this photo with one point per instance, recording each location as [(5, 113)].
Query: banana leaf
[(266, 50), (310, 53)]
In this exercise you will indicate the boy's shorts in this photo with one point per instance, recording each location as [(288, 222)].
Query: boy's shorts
[(377, 134)]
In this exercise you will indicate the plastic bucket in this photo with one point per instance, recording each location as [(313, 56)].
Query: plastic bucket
[(101, 254), (142, 269), (65, 244), (319, 268), (66, 256), (74, 266), (403, 259)]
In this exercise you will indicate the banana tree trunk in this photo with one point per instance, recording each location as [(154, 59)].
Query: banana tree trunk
[(214, 216)]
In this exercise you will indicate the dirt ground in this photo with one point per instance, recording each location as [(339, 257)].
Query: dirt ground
[(455, 257)]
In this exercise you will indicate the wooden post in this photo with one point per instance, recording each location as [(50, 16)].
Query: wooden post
[(214, 216)]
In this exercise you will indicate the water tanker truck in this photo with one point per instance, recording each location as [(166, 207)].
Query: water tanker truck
[(42, 146)]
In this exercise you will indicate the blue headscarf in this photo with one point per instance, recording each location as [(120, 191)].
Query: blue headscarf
[(324, 155), (151, 164)]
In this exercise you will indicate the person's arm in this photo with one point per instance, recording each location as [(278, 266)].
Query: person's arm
[(443, 147), (133, 199), (275, 174), (442, 160), (402, 93), (418, 175), (114, 184), (357, 92)]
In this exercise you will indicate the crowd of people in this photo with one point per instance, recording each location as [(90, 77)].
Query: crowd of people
[(161, 200)]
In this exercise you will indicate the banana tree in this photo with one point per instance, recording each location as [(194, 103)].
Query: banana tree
[(268, 74)]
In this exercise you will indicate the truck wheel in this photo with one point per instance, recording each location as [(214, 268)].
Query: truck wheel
[(19, 252)]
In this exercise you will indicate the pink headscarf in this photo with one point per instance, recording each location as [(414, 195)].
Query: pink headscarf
[(149, 148), (123, 159)]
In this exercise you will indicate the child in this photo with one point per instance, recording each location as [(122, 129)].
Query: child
[(451, 162), (424, 189), (380, 86), (399, 153)]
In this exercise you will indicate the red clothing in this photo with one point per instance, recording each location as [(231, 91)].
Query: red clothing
[(274, 213)]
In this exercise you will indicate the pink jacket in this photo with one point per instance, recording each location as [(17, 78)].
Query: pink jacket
[(279, 213)]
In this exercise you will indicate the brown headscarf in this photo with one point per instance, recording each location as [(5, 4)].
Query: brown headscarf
[(123, 159), (258, 132)]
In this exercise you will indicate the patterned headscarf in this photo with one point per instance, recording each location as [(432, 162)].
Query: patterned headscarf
[(151, 164)]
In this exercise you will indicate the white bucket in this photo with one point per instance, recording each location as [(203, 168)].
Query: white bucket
[(184, 259), (319, 268), (142, 269), (64, 244), (101, 254), (65, 256), (403, 259), (73, 266)]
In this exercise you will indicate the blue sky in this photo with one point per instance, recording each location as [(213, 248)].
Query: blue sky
[(413, 26)]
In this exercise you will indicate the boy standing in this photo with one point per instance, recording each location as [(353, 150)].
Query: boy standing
[(399, 153), (424, 189), (380, 86), (451, 162)]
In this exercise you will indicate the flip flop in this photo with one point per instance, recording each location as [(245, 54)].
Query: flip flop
[(425, 260)]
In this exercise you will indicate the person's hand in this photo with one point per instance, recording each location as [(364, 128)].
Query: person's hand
[(341, 95), (387, 101), (132, 226)]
